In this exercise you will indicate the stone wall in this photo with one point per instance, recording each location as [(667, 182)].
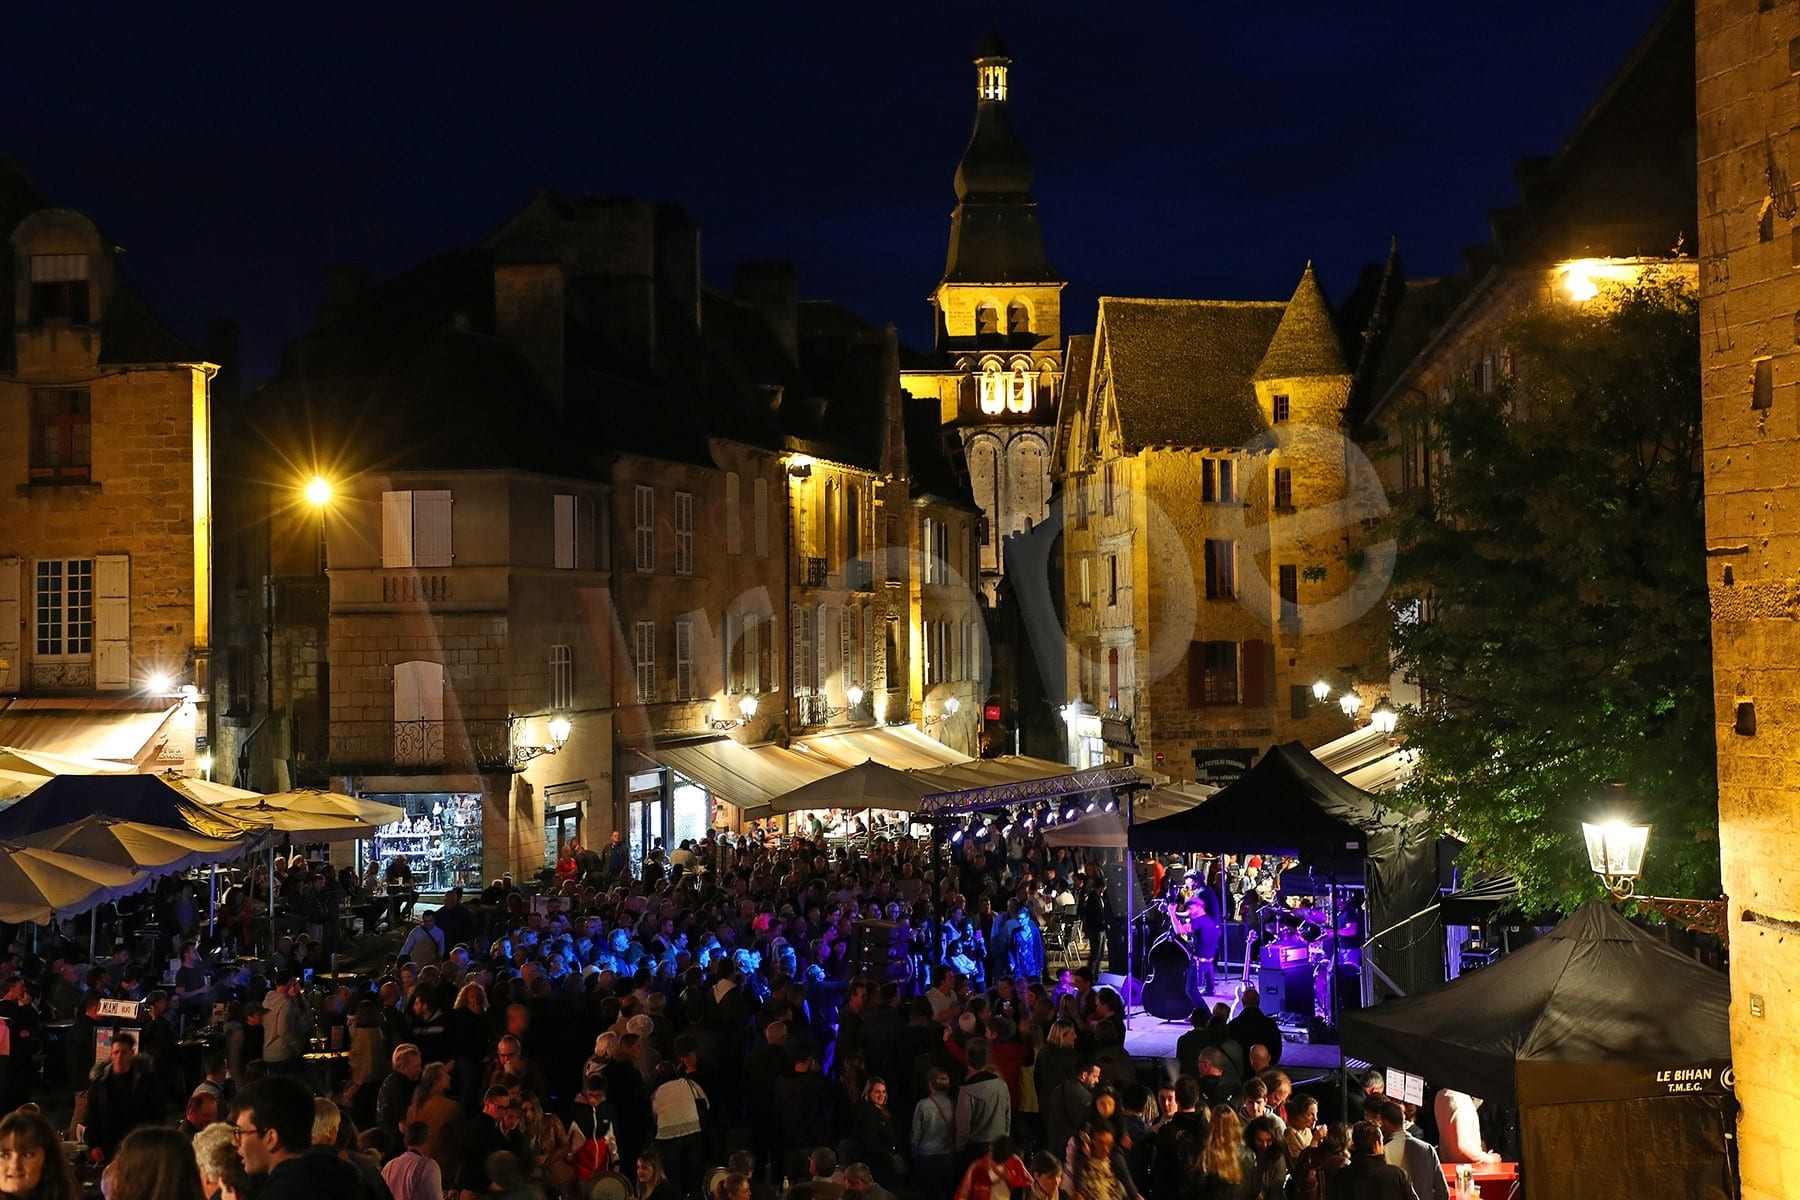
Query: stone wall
[(1748, 107)]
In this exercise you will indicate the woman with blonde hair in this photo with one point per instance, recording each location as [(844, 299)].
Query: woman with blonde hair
[(549, 1144), (155, 1163), (1228, 1166), (433, 1108)]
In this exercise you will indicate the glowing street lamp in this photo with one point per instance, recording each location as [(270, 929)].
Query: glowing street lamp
[(1384, 718), (1350, 703), (1321, 690), (318, 491), (1616, 843)]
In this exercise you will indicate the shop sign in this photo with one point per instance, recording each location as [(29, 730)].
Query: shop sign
[(1116, 732), (1222, 766)]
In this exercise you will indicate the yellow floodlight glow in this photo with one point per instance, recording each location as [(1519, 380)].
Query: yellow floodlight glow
[(318, 491)]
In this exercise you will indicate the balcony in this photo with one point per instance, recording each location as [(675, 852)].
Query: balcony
[(812, 572), (402, 747), (810, 709)]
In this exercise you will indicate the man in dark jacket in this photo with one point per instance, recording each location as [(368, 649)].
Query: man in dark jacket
[(1369, 1175), (1069, 1106), (495, 1128), (1175, 1153), (1254, 1027), (121, 1096), (272, 1123)]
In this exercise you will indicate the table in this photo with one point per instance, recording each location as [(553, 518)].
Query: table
[(1493, 1181)]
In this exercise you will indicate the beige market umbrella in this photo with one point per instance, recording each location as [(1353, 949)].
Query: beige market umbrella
[(39, 885), (870, 785), (305, 814), (153, 849), (46, 764)]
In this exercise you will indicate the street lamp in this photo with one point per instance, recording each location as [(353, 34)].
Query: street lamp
[(1384, 718), (318, 493), (951, 707), (746, 707), (1322, 690), (1616, 844), (558, 727), (1350, 703)]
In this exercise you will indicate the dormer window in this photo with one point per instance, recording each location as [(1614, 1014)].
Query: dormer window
[(59, 288)]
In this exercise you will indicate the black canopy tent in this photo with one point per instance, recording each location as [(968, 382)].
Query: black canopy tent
[(1614, 1047), (1291, 803)]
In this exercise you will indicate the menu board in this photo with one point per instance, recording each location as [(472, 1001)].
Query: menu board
[(1405, 1087)]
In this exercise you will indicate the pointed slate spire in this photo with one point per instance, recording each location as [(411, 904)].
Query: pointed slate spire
[(1306, 342)]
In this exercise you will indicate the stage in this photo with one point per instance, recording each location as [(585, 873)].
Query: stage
[(1148, 1038)]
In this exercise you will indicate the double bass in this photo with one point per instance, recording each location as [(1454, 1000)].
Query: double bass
[(1169, 993)]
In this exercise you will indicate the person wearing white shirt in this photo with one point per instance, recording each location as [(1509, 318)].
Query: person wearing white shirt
[(1459, 1129)]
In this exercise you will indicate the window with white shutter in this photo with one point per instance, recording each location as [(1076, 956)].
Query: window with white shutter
[(684, 660), (396, 529), (823, 646), (12, 621), (644, 659), (644, 522), (418, 713), (731, 661), (562, 678), (851, 627), (431, 529), (684, 533), (565, 532), (415, 529), (111, 615), (755, 674)]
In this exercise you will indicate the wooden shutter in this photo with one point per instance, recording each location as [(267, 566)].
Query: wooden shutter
[(1212, 568), (1255, 666), (418, 691), (396, 529), (11, 623), (1196, 674), (112, 622), (823, 646), (431, 529), (565, 532)]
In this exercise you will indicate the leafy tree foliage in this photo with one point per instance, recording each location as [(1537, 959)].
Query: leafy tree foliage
[(1550, 598)]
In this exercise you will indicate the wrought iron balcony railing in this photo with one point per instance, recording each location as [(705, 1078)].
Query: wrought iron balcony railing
[(812, 572), (480, 744)]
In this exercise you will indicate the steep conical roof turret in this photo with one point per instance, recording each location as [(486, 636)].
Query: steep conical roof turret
[(994, 236), (1306, 341)]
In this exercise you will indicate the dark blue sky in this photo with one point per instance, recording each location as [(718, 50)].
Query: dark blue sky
[(1193, 149)]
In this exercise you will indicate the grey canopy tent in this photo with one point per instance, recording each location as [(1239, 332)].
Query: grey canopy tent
[(1614, 1047), (1291, 803)]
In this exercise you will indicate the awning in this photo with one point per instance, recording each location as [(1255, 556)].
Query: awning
[(747, 776), (1017, 779), (112, 730), (1368, 759), (902, 747)]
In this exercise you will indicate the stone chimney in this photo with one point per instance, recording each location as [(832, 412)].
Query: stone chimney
[(529, 313), (770, 286)]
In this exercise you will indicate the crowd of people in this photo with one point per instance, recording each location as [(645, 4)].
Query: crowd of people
[(717, 1022)]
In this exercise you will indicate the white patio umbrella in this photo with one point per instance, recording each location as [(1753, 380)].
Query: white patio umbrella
[(39, 885)]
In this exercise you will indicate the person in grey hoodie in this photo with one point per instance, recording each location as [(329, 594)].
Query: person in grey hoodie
[(983, 1106), (287, 1026)]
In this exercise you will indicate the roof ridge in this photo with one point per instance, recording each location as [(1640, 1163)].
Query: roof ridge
[(1187, 301)]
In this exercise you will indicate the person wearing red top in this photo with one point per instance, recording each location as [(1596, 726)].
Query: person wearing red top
[(1006, 1053)]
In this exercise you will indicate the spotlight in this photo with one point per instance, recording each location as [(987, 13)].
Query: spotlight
[(1092, 805), (1112, 806), (1069, 813), (956, 836)]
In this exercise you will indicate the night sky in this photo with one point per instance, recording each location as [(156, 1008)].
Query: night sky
[(1194, 149)]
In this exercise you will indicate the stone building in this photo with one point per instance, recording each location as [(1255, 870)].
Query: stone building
[(1749, 115), (1209, 514), (106, 540), (669, 542), (996, 367)]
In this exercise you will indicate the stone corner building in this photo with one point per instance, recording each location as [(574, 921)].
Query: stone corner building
[(105, 534), (1748, 113)]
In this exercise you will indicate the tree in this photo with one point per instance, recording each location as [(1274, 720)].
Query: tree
[(1551, 598)]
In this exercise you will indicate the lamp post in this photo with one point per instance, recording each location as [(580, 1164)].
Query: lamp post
[(1350, 703), (1321, 690), (1384, 718), (318, 493), (1616, 844)]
